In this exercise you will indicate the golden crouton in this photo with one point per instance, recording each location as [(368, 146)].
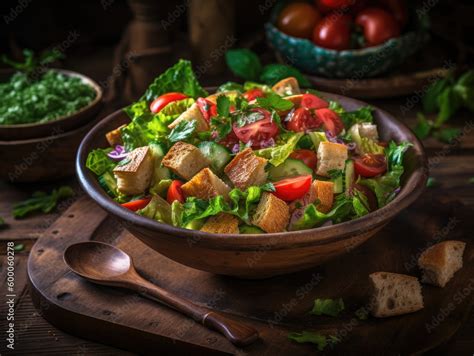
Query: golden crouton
[(114, 137), (205, 185), (185, 160), (272, 214), (222, 224), (192, 113), (246, 169), (134, 177), (325, 193), (286, 87), (330, 156)]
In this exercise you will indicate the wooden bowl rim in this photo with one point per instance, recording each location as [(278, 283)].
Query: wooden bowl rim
[(413, 188), (87, 80)]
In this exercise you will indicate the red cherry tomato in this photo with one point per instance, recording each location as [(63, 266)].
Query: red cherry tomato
[(298, 19), (290, 189), (378, 26), (230, 140), (398, 8), (253, 94), (175, 192), (310, 158), (310, 101), (330, 120), (370, 165), (138, 204), (335, 4), (208, 108), (302, 120), (163, 100), (333, 32), (258, 131)]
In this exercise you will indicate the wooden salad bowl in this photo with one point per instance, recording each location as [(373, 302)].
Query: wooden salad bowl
[(57, 126), (261, 255)]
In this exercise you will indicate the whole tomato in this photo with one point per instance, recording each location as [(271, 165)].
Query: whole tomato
[(378, 26), (398, 8), (298, 19), (333, 32), (329, 5)]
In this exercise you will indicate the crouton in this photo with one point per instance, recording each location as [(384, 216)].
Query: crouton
[(114, 137), (135, 176), (365, 129), (286, 87), (205, 185), (330, 156), (185, 160), (222, 224), (441, 261), (395, 294), (246, 169), (192, 113), (272, 214), (325, 194)]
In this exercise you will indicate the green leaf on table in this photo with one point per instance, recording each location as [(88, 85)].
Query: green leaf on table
[(431, 182), (19, 247), (471, 180), (273, 73), (423, 127), (321, 341), (41, 201), (330, 307), (448, 102), (182, 131), (464, 88), (447, 135), (430, 98), (244, 63)]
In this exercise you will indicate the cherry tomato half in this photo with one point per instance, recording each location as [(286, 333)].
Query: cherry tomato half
[(370, 165), (298, 19), (253, 94), (309, 157), (258, 131), (302, 120), (378, 26), (311, 101), (208, 108), (330, 120), (138, 204), (290, 189), (175, 192), (163, 100), (333, 32)]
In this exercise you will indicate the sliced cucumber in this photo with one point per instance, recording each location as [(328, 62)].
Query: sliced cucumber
[(217, 154), (159, 172), (290, 168), (248, 229), (195, 224), (109, 183), (349, 176), (338, 185)]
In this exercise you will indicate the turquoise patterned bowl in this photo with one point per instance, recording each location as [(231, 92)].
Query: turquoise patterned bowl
[(356, 63)]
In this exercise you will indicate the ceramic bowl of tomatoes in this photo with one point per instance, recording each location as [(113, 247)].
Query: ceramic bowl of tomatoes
[(345, 38)]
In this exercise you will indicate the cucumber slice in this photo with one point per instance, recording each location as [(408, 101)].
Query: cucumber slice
[(290, 168), (159, 172), (338, 185), (349, 176), (248, 229), (217, 154), (109, 183), (195, 224)]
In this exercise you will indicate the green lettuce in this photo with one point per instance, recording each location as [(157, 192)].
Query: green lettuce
[(196, 209), (363, 114), (278, 154), (330, 307), (230, 86), (98, 161), (157, 209), (321, 341)]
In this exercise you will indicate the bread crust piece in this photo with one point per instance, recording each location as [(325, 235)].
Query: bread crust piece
[(325, 193), (287, 87), (192, 113), (440, 262), (135, 176), (246, 169), (395, 294), (331, 156), (221, 224), (114, 137), (272, 214), (185, 160), (205, 185)]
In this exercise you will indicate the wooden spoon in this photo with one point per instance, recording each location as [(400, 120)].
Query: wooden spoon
[(105, 264)]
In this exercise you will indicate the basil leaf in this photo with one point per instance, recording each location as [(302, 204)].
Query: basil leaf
[(223, 105), (274, 101), (449, 103), (430, 99), (423, 127), (244, 63), (182, 131)]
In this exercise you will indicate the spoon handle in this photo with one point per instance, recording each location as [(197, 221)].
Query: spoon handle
[(236, 332)]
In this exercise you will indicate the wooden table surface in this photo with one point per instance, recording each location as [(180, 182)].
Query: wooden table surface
[(451, 165)]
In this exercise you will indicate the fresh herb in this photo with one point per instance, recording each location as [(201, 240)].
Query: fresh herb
[(223, 106), (274, 101), (230, 86), (330, 307), (33, 63), (273, 73), (335, 173), (423, 126), (268, 187), (247, 118), (183, 131), (41, 201), (19, 247), (222, 126), (321, 341), (431, 182), (447, 135)]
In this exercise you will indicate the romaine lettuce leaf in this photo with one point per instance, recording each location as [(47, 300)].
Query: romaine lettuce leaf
[(98, 161), (157, 209), (195, 208), (278, 154)]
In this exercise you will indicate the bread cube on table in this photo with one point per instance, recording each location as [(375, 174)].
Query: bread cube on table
[(395, 294), (205, 185), (185, 160), (272, 214), (441, 261), (287, 87), (192, 113), (134, 177), (246, 169), (331, 156), (222, 224)]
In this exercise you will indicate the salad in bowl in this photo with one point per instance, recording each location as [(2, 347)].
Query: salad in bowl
[(246, 159)]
